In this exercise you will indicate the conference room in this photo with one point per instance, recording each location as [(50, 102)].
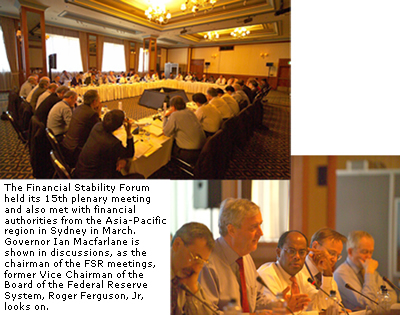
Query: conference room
[(328, 199), (232, 57)]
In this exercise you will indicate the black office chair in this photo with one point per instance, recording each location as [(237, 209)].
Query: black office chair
[(60, 168), (20, 136), (55, 144)]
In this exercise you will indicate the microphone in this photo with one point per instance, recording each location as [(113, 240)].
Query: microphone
[(187, 290), (394, 287), (262, 282), (348, 286), (326, 293)]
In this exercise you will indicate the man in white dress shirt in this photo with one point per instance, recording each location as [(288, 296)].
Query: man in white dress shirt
[(285, 274), (233, 104), (219, 103)]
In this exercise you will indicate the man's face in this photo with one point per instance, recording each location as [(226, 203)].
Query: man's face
[(245, 239), (363, 252), (293, 254), (333, 247), (183, 260)]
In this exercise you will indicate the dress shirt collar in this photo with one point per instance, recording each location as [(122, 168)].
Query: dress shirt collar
[(230, 255), (283, 273), (312, 267), (352, 265)]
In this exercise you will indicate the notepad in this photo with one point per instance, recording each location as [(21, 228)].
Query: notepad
[(157, 131), (141, 148)]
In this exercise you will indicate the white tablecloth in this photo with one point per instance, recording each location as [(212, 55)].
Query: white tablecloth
[(153, 159), (110, 92)]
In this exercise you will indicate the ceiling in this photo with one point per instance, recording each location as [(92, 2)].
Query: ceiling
[(126, 19)]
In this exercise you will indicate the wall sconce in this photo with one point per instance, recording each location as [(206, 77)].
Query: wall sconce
[(214, 56), (19, 35), (47, 37), (263, 55)]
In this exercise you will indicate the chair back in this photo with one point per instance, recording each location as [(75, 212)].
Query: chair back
[(14, 102), (27, 114), (210, 164), (15, 126), (243, 104), (59, 167), (55, 144)]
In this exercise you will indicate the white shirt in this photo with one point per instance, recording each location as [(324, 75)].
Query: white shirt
[(221, 81), (188, 78), (232, 103), (210, 118), (42, 97), (29, 97), (278, 280), (222, 107)]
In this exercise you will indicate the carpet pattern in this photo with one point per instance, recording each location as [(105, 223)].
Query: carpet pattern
[(266, 156)]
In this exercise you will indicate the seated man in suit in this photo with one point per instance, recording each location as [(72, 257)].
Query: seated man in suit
[(359, 271), (191, 247), (92, 80), (285, 274), (182, 124), (209, 117), (231, 272), (42, 112), (60, 115), (83, 119), (27, 86), (233, 104), (103, 155), (327, 244), (51, 89), (39, 90), (111, 77), (77, 80)]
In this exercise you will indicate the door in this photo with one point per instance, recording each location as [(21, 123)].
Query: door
[(197, 67)]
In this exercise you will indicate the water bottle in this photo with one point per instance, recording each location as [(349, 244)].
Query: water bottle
[(279, 305), (385, 300), (232, 308), (333, 307)]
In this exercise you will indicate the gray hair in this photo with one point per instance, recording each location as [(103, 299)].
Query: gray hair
[(90, 96), (62, 89), (189, 232), (354, 237), (70, 94), (233, 211)]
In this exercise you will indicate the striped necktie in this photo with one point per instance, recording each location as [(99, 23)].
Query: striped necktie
[(295, 286)]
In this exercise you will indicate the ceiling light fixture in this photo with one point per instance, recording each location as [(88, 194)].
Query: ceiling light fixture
[(158, 14), (210, 36), (239, 33), (195, 5)]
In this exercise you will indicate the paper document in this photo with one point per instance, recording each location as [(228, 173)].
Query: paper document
[(157, 131)]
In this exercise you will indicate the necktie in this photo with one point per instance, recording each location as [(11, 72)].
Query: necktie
[(174, 294), (295, 287), (244, 301), (318, 278)]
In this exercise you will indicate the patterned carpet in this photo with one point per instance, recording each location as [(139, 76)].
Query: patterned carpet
[(266, 156)]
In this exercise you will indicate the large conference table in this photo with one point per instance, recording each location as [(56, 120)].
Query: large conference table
[(152, 149), (110, 92)]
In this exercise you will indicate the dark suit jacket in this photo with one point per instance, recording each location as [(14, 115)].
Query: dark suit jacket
[(248, 92), (100, 154), (88, 81), (82, 121), (39, 91), (43, 110), (76, 82)]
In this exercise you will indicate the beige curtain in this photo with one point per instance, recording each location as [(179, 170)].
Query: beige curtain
[(127, 46), (83, 42), (7, 25), (100, 45)]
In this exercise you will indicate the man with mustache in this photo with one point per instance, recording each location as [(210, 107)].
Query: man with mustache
[(231, 273), (284, 274), (190, 249)]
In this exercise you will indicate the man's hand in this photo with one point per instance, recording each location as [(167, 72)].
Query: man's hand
[(121, 164), (322, 261), (369, 265), (191, 282), (128, 128), (296, 302)]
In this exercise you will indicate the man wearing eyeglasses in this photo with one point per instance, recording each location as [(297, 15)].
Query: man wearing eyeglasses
[(359, 271), (231, 273), (285, 275), (190, 249), (326, 247)]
